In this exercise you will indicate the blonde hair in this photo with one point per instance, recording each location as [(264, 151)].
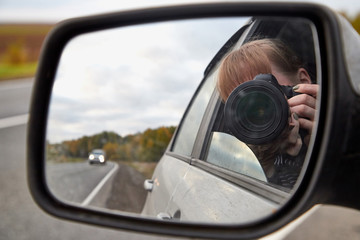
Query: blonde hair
[(254, 58)]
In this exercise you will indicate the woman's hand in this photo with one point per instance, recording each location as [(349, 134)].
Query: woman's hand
[(304, 105), (293, 143), (303, 111)]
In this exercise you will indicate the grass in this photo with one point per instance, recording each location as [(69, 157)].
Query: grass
[(8, 71), (76, 159), (145, 168)]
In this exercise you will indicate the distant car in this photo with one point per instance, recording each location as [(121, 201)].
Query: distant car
[(97, 156)]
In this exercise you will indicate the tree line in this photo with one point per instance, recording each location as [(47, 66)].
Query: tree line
[(147, 146)]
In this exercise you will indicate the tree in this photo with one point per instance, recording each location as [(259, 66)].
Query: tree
[(148, 146), (110, 150)]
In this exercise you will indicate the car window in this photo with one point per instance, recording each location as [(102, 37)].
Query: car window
[(228, 152), (97, 152), (223, 147), (189, 127)]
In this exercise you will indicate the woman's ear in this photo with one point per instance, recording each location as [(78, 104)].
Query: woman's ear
[(303, 76)]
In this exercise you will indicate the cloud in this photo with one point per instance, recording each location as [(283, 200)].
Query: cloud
[(129, 79)]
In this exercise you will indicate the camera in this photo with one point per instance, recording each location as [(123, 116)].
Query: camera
[(257, 111)]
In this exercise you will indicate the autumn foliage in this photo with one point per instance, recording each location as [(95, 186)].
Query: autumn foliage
[(147, 146)]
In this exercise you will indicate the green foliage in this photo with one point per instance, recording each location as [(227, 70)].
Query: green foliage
[(148, 146), (10, 71)]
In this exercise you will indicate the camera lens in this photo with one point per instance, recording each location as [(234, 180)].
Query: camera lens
[(256, 112)]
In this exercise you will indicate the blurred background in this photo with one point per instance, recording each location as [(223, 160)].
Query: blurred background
[(24, 25)]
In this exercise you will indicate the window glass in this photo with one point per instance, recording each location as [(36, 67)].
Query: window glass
[(228, 152), (188, 130), (269, 138)]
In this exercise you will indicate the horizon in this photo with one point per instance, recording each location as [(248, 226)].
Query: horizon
[(110, 131)]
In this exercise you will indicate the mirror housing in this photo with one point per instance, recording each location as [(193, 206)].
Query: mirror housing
[(331, 167)]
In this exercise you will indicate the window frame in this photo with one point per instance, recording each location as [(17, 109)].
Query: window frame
[(171, 149), (203, 136)]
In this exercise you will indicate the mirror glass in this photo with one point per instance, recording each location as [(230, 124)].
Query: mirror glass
[(139, 119)]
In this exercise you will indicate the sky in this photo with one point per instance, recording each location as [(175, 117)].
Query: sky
[(57, 10), (130, 79)]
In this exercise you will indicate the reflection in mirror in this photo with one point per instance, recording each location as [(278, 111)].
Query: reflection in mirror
[(119, 97), (228, 152)]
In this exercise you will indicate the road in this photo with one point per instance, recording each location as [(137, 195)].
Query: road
[(16, 96), (22, 219), (112, 186), (74, 182)]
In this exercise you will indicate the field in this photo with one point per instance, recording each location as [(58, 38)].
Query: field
[(20, 46)]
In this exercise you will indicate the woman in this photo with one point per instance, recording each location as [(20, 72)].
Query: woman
[(281, 160)]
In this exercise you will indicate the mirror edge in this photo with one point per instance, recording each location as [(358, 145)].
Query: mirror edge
[(40, 101)]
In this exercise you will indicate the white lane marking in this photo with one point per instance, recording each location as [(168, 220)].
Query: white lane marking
[(14, 121), (99, 186), (287, 229)]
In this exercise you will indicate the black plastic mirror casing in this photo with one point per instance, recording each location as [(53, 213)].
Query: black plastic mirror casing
[(330, 172)]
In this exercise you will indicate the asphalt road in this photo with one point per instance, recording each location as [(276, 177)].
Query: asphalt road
[(21, 218), (14, 98), (74, 182), (111, 186)]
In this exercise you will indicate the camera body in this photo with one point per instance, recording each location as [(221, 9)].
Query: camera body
[(257, 111)]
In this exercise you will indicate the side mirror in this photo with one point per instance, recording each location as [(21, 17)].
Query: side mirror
[(101, 77)]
